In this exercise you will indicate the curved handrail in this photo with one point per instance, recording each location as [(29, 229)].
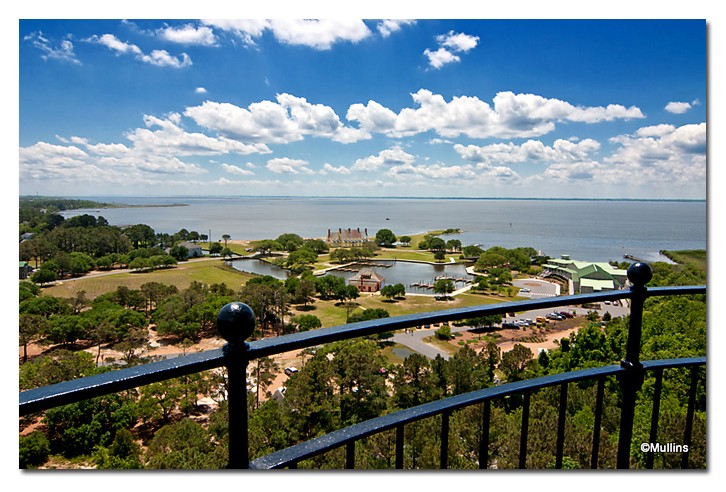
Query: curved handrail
[(341, 437)]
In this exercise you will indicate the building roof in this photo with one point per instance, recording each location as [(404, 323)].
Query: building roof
[(366, 276), (596, 285), (347, 234), (189, 245)]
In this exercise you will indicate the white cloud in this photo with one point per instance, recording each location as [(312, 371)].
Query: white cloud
[(388, 26), (69, 165), (232, 169), (677, 156), (529, 151), (328, 168), (285, 165), (200, 90), (512, 116), (440, 57), (390, 157), (433, 171), (678, 107), (189, 35), (170, 138), (62, 52), (457, 41), (319, 34), (160, 58), (114, 44), (655, 131), (449, 44), (287, 120)]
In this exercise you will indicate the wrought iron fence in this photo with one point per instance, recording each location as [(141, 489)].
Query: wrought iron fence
[(235, 323)]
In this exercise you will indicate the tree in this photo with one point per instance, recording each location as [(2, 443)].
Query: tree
[(215, 249), (31, 328), (307, 322), (123, 453), (405, 240), (227, 253), (34, 449), (439, 256), (225, 238), (436, 244), (43, 276), (289, 241), (300, 259), (66, 329), (385, 238), (414, 382), (328, 285), (266, 246), (515, 361), (471, 251), (76, 429), (453, 245), (369, 314), (184, 445), (444, 332), (444, 286), (488, 260), (266, 371), (179, 252), (140, 264)]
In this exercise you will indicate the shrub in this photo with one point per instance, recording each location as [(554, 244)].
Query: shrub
[(34, 450)]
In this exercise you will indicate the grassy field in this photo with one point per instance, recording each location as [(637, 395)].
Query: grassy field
[(331, 313), (694, 257), (205, 271)]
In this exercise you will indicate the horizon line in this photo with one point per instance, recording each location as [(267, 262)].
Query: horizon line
[(71, 197)]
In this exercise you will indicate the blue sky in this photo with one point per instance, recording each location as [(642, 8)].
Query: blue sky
[(421, 107)]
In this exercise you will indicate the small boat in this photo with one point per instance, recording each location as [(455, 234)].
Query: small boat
[(387, 218)]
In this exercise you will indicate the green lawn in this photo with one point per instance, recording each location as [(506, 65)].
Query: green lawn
[(694, 257), (205, 271), (331, 314)]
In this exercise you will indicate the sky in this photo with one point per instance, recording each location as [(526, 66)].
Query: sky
[(346, 107)]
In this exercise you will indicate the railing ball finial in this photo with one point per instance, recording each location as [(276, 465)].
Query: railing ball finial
[(235, 322), (640, 274)]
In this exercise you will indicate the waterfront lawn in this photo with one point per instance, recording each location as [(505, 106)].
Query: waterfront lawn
[(691, 257), (331, 314), (205, 271)]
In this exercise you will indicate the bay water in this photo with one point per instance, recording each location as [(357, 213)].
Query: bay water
[(591, 230)]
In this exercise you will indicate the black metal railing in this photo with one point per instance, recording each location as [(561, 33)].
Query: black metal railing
[(236, 322)]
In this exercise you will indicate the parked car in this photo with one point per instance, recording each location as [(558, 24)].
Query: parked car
[(290, 370), (524, 290)]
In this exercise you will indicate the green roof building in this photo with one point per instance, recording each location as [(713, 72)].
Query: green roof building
[(586, 277)]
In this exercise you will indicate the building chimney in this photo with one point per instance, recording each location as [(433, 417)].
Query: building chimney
[(328, 233), (366, 231), (359, 230)]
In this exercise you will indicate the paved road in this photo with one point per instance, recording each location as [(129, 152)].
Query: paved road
[(414, 339)]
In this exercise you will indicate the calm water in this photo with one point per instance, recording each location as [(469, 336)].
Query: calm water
[(393, 272), (595, 230), (409, 274)]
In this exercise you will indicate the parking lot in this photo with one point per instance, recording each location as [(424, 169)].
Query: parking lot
[(536, 288)]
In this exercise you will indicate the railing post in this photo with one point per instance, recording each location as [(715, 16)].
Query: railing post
[(631, 380), (235, 323)]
